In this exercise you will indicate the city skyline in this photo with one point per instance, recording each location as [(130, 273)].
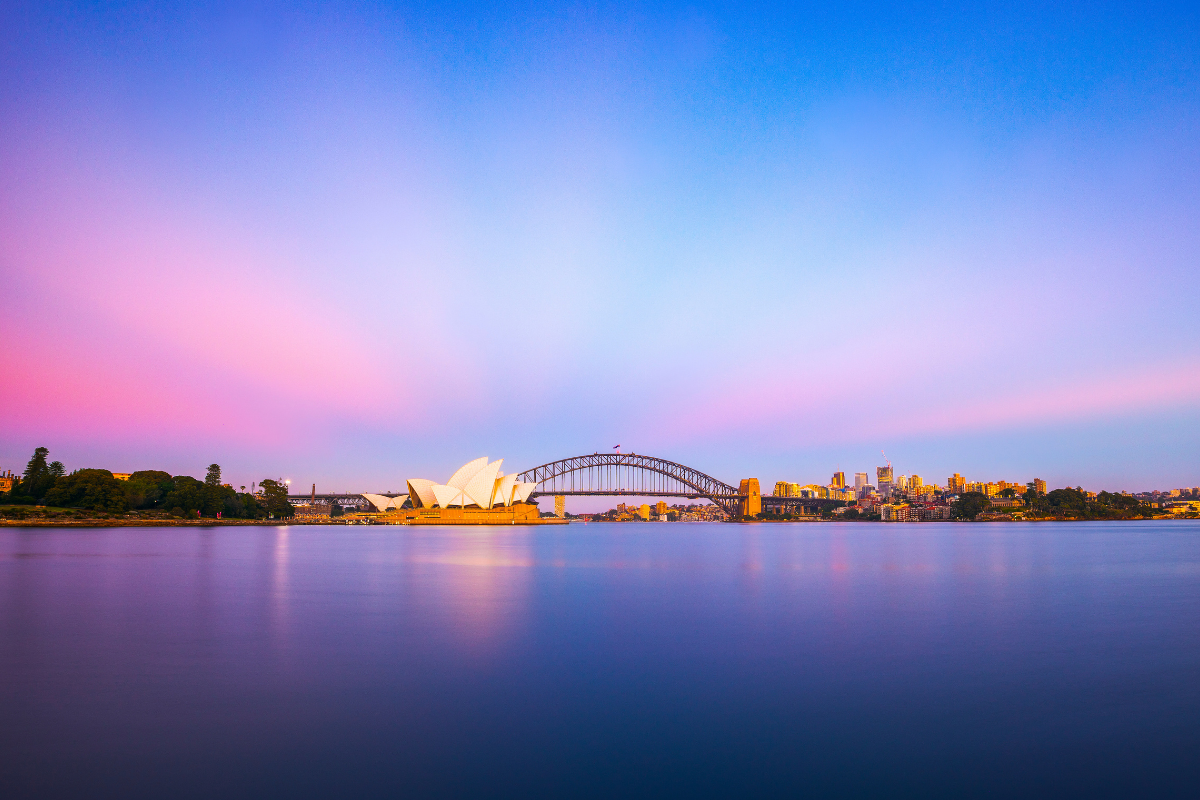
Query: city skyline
[(353, 246)]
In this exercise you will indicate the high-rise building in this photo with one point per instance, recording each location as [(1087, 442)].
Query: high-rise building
[(1039, 485), (883, 477), (839, 481), (956, 484), (660, 507), (902, 483), (915, 483), (860, 480)]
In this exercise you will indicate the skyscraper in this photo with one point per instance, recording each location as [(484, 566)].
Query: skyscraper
[(839, 481), (956, 484), (884, 480), (860, 480)]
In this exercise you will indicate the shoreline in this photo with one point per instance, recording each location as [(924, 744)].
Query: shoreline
[(215, 523)]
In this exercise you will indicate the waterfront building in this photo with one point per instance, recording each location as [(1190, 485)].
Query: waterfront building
[(314, 511), (1039, 485), (476, 494), (660, 507), (644, 512), (7, 481), (1007, 502), (894, 512), (477, 483)]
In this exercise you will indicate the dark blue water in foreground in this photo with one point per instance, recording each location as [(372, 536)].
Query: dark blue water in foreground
[(602, 660)]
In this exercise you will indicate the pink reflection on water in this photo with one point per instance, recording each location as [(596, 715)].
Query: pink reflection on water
[(477, 581)]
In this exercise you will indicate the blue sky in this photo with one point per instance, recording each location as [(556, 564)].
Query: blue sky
[(359, 244)]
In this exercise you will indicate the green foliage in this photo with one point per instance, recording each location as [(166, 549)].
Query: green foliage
[(146, 488), (57, 469), (188, 494), (275, 495), (95, 489), (151, 475), (37, 480), (1075, 504), (213, 476), (1008, 492), (969, 505), (181, 495)]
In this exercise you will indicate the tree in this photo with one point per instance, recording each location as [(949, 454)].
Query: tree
[(96, 489), (37, 479), (213, 478), (57, 469), (1008, 492), (969, 505), (146, 488), (275, 495)]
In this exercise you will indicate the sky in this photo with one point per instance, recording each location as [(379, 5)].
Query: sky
[(353, 244)]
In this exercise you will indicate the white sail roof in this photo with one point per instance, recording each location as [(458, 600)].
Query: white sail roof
[(383, 502), (482, 486), (447, 496), (421, 492), (504, 489), (476, 483), (462, 477)]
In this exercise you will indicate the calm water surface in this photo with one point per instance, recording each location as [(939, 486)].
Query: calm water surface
[(602, 660)]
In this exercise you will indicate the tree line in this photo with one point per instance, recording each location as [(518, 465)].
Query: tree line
[(1066, 502), (182, 495)]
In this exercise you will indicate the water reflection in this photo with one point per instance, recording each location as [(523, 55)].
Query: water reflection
[(280, 583), (477, 581)]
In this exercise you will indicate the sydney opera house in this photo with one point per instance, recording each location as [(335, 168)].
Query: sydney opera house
[(477, 494), (476, 484)]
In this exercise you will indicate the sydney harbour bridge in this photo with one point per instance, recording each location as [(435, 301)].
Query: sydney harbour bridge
[(629, 474), (635, 475)]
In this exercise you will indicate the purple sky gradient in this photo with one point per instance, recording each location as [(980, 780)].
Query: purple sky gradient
[(350, 248)]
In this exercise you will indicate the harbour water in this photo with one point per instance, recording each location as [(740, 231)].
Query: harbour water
[(602, 660)]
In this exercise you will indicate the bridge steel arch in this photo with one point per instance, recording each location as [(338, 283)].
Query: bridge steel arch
[(631, 474)]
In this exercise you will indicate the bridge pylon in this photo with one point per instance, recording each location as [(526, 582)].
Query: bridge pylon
[(751, 498)]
